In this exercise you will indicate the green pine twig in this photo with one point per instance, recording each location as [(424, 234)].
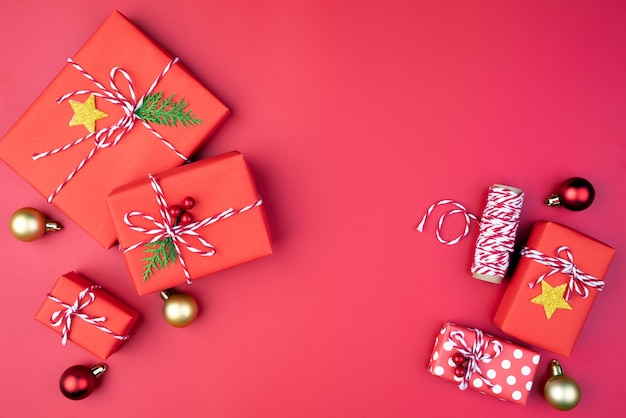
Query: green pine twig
[(160, 111), (163, 254)]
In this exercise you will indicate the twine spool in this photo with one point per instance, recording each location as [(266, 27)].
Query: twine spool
[(497, 230)]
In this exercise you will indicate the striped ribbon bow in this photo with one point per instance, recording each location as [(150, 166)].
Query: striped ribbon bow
[(579, 281), (479, 351), (111, 136), (178, 233), (64, 316)]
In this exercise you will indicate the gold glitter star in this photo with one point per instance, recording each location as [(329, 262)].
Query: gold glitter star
[(86, 113), (551, 298)]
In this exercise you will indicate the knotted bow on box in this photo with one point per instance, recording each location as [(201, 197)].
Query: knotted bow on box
[(64, 316), (111, 136), (579, 281), (179, 234), (479, 351)]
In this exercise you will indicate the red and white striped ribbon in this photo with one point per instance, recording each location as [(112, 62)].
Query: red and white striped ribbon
[(166, 228), (111, 136), (64, 316), (479, 351), (459, 209), (579, 281)]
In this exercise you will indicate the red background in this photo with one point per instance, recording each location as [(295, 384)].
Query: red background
[(354, 117)]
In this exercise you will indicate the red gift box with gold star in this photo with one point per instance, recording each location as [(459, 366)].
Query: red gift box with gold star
[(554, 286), (183, 224), (82, 312), (491, 365), (120, 108)]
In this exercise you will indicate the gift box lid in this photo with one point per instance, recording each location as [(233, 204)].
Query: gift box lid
[(223, 189), (99, 323), (544, 304), (76, 171), (492, 365)]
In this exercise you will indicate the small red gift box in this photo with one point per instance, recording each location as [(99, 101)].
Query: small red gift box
[(553, 287), (162, 249), (82, 312), (122, 107), (489, 364)]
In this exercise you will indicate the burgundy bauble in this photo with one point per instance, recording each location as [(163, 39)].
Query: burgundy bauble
[(575, 194), (189, 202), (175, 211), (185, 219), (458, 359), (459, 371), (78, 382)]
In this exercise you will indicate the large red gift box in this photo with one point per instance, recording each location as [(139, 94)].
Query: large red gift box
[(229, 225), (553, 287), (493, 366), (83, 313), (92, 130)]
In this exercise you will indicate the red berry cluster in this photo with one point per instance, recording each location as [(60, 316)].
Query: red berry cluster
[(180, 212), (460, 361)]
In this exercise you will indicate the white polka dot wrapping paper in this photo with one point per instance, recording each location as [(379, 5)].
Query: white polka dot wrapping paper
[(493, 366)]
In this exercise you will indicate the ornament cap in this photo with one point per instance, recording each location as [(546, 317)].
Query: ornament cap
[(53, 226), (98, 370), (555, 368), (553, 200), (165, 294)]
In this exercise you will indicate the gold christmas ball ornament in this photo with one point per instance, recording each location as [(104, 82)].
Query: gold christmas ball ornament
[(28, 224), (179, 309), (561, 391)]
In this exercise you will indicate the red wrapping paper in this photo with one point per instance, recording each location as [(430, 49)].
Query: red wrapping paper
[(518, 316), (119, 317), (45, 126), (217, 184), (508, 375)]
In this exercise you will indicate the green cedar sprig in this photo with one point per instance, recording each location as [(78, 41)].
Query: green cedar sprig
[(155, 109), (163, 254)]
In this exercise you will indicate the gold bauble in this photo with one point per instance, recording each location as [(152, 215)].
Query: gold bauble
[(28, 224), (179, 309), (562, 392)]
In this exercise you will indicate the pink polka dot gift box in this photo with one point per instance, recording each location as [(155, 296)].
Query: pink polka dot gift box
[(487, 364)]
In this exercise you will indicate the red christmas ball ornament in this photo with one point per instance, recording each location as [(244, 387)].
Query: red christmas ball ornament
[(189, 202), (175, 211), (575, 194), (458, 359), (185, 219), (78, 382), (459, 371)]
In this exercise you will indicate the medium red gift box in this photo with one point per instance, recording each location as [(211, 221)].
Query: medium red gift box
[(82, 312), (229, 226), (92, 129), (492, 366), (553, 287)]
